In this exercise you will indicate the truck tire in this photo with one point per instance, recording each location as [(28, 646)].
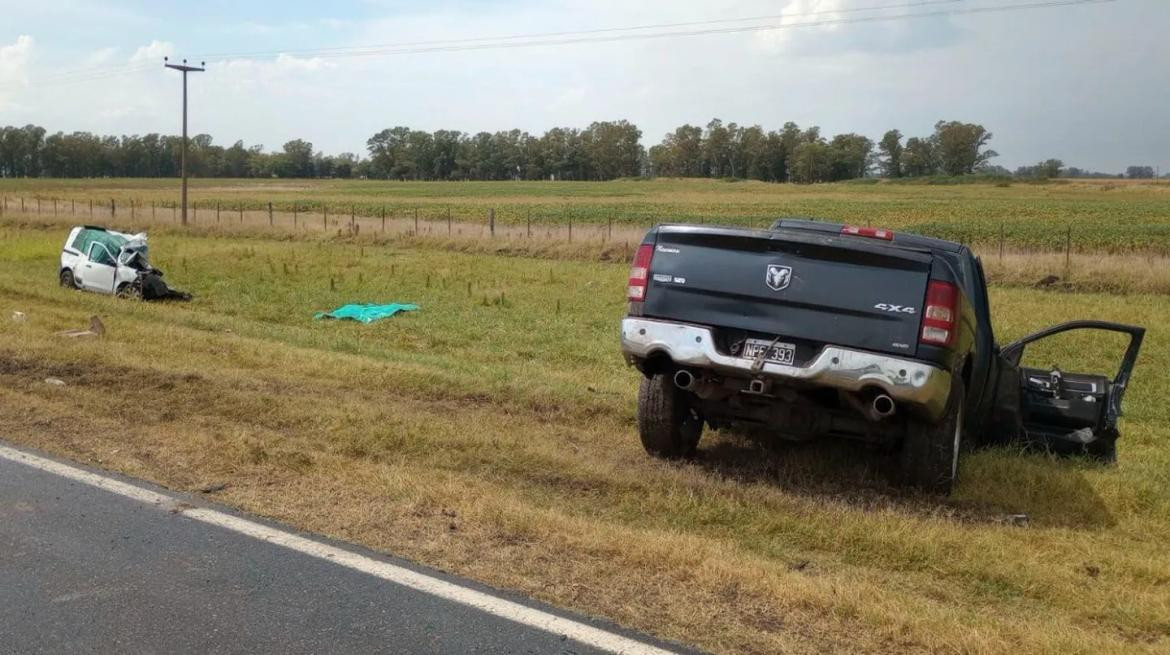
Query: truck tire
[(667, 426), (930, 451), (67, 279)]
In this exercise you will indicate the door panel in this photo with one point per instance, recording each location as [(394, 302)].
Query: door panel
[(1077, 407), (97, 270)]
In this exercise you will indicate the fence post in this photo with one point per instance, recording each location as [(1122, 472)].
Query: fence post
[(131, 209), (241, 208), (448, 221), (1001, 242), (416, 221), (54, 206), (73, 206), (90, 206), (570, 228), (216, 211), (195, 210), (529, 222), (270, 220), (153, 215), (22, 204), (113, 208), (325, 217), (383, 219), (294, 215), (492, 221), (352, 215), (609, 234), (1067, 248)]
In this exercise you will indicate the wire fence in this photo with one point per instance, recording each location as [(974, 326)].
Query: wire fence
[(989, 238)]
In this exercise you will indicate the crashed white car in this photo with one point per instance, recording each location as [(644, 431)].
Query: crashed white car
[(97, 259)]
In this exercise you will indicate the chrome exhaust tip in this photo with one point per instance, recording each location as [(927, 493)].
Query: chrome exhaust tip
[(883, 406), (684, 380)]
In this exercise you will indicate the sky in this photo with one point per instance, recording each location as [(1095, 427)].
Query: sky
[(1088, 83)]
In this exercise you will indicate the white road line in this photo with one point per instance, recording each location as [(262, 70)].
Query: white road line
[(455, 593)]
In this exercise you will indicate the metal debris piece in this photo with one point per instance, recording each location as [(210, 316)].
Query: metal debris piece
[(96, 329)]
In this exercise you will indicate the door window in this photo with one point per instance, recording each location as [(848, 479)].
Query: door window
[(99, 255)]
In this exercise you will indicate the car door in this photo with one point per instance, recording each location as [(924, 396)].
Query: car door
[(1072, 412), (98, 269)]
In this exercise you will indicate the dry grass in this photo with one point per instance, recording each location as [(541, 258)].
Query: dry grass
[(491, 434), (1101, 215), (1105, 272)]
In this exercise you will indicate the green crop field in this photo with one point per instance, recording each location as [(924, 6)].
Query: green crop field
[(491, 433), (1092, 215)]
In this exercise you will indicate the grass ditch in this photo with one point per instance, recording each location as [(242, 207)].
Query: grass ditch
[(491, 434)]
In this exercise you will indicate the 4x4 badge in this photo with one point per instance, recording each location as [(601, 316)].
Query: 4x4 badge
[(778, 277)]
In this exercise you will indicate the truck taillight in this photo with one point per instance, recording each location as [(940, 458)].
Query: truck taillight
[(640, 273), (941, 314), (871, 232)]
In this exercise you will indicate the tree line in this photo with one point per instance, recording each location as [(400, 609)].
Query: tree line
[(604, 150)]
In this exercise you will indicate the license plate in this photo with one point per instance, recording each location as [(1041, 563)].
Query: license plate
[(778, 353)]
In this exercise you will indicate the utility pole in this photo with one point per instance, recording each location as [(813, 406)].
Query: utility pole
[(183, 160)]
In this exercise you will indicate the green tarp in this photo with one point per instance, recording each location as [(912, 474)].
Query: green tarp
[(366, 313)]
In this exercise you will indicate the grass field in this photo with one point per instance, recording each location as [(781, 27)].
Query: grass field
[(491, 434), (1094, 215)]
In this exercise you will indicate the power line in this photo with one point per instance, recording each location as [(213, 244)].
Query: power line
[(596, 35), (632, 28), (86, 74), (710, 31)]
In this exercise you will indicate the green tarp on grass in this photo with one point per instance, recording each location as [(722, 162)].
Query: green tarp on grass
[(366, 313)]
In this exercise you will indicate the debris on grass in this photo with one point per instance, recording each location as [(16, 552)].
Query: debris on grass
[(367, 313), (19, 317), (96, 329), (56, 382)]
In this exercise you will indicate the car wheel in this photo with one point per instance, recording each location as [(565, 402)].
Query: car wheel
[(668, 426), (67, 279), (129, 291), (930, 451)]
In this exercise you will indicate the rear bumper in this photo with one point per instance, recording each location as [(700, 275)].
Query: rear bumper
[(923, 386)]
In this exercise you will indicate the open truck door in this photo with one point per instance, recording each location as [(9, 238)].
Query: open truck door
[(1069, 412)]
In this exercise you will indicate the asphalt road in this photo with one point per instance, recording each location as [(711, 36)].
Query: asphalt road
[(86, 570)]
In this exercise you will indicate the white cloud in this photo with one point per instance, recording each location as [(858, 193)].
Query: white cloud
[(14, 60), (153, 53), (100, 57), (14, 65)]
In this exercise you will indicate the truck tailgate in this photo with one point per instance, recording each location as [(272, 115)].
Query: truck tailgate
[(845, 290)]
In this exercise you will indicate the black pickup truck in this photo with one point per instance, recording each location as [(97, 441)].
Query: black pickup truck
[(812, 329)]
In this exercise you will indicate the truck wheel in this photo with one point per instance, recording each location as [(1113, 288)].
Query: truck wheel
[(67, 280), (930, 451), (667, 426)]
